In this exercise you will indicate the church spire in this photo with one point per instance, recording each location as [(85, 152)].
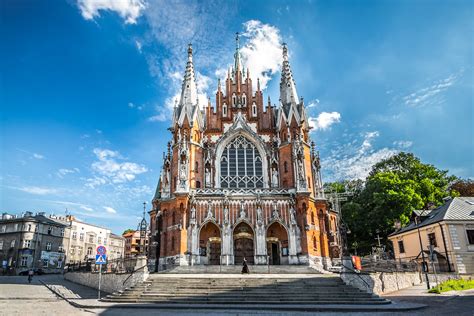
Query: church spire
[(288, 93), (237, 57), (189, 94)]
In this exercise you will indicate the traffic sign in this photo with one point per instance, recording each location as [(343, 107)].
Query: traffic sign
[(100, 259), (101, 250)]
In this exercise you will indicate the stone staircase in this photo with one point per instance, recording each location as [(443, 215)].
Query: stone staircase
[(249, 290), (262, 269)]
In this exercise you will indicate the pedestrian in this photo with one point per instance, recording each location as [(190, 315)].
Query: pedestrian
[(30, 275), (245, 267)]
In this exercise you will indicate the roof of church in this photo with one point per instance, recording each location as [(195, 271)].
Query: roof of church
[(456, 209)]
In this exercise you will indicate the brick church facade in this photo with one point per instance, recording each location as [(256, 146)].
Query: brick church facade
[(241, 179)]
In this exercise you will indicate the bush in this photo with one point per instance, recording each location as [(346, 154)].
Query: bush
[(453, 285)]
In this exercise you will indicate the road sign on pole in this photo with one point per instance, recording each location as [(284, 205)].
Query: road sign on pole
[(101, 250), (100, 259)]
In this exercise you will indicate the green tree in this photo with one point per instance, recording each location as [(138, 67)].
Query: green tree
[(128, 231), (394, 188)]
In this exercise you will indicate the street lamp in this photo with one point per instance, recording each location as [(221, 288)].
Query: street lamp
[(417, 223)]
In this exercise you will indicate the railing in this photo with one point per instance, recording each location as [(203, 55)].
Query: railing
[(243, 191), (122, 265)]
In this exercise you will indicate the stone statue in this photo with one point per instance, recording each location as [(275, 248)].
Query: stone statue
[(259, 214), (274, 178), (208, 177), (209, 211), (300, 169), (292, 216), (276, 214), (226, 214), (242, 211), (182, 172), (193, 213)]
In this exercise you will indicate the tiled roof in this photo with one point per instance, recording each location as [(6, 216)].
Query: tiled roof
[(457, 209)]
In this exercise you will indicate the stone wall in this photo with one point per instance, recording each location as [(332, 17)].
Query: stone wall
[(110, 282), (386, 282)]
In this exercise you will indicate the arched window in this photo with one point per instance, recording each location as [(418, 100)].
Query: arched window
[(234, 100), (224, 110), (198, 184), (285, 166), (254, 110), (241, 165), (244, 100), (173, 218), (312, 218), (196, 167), (315, 243)]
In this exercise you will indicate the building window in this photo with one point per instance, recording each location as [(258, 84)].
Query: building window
[(224, 110), (26, 243), (81, 236), (4, 228), (470, 236), (244, 100), (198, 184), (1, 244), (50, 230), (401, 247), (74, 235), (72, 251), (196, 167), (24, 261), (285, 166), (241, 165), (16, 227), (91, 239), (29, 227), (12, 244), (254, 110), (48, 246), (105, 241), (432, 239), (315, 243), (62, 232), (234, 100), (61, 248), (99, 240), (89, 251)]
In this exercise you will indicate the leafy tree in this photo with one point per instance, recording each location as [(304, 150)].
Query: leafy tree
[(463, 187), (394, 188), (128, 231)]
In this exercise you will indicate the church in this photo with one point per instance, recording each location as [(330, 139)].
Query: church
[(241, 179)]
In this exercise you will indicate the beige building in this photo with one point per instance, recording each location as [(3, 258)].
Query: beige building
[(448, 228), (116, 247)]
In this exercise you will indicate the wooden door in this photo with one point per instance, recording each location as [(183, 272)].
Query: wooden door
[(215, 253), (243, 248)]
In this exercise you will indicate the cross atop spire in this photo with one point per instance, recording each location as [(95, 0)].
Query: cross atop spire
[(237, 57)]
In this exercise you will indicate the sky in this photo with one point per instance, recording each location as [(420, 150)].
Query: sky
[(87, 88)]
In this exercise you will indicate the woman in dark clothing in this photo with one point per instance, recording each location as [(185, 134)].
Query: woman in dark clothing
[(245, 267)]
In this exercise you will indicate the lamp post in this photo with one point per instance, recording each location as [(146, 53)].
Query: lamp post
[(424, 265)]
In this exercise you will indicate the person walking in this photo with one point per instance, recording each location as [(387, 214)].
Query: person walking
[(30, 275), (245, 267)]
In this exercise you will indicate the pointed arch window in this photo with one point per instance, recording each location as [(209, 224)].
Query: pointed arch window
[(244, 100), (234, 100), (241, 165), (224, 110), (254, 110)]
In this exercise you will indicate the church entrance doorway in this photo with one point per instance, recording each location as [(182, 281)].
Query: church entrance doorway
[(277, 244), (210, 244), (243, 244)]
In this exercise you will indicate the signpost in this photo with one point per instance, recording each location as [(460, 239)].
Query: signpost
[(100, 259)]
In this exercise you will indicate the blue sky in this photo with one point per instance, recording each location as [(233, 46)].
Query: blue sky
[(86, 89)]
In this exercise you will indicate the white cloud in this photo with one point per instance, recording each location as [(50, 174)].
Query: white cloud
[(63, 171), (129, 10), (38, 156), (110, 210), (324, 120), (134, 106), (313, 103), (38, 190), (86, 208), (109, 170), (430, 94), (403, 144), (262, 53), (349, 161)]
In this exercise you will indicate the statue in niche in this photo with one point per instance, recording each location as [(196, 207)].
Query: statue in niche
[(242, 211), (274, 178), (208, 176), (292, 216), (300, 169), (193, 212), (226, 214), (276, 214), (209, 211), (182, 172), (259, 214)]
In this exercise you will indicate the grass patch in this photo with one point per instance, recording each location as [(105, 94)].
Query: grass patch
[(453, 285)]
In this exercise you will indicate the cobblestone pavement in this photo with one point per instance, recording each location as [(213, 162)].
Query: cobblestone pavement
[(17, 297)]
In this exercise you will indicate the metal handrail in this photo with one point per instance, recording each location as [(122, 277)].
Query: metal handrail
[(353, 270), (133, 272)]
